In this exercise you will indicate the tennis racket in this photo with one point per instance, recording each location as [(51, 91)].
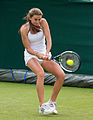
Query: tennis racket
[(68, 60)]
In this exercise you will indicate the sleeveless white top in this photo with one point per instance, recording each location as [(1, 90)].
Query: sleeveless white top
[(37, 43)]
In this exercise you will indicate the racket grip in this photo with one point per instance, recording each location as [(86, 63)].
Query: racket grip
[(50, 56)]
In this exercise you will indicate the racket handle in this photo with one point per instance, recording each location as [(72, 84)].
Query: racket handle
[(50, 56)]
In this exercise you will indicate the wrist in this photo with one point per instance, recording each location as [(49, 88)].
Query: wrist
[(36, 53), (47, 52)]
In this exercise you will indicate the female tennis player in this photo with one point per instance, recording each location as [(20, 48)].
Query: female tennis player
[(36, 54)]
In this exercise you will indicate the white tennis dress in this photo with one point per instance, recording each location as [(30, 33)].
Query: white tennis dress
[(37, 42)]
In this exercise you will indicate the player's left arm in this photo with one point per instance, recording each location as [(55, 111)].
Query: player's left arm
[(47, 34)]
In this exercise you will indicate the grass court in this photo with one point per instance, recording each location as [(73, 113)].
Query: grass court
[(19, 101)]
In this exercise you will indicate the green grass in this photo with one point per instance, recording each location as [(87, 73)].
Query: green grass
[(19, 102)]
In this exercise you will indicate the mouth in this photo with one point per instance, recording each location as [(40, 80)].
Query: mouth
[(37, 24)]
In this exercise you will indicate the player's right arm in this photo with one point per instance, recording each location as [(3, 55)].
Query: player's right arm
[(26, 42)]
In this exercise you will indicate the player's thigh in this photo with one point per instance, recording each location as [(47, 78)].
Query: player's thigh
[(53, 67), (35, 66)]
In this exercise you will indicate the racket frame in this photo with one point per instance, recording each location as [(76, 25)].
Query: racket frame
[(72, 52)]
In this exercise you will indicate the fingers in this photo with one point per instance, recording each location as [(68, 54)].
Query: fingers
[(44, 57), (40, 56), (49, 55)]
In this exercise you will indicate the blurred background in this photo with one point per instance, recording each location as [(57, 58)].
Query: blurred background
[(70, 22)]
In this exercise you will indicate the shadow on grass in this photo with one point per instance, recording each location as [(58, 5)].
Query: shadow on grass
[(60, 115)]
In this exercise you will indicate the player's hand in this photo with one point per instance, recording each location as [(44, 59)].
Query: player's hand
[(48, 55), (42, 56)]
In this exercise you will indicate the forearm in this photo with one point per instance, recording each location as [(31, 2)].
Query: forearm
[(32, 52), (47, 34), (49, 45), (39, 55)]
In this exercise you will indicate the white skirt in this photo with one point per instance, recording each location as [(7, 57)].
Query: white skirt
[(28, 56)]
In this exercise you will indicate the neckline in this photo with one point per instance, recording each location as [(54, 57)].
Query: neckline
[(35, 33)]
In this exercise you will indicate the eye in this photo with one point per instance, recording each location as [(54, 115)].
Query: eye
[(37, 19)]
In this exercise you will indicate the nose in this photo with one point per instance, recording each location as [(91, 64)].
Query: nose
[(37, 22)]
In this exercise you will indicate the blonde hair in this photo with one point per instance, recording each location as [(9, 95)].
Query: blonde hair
[(32, 12)]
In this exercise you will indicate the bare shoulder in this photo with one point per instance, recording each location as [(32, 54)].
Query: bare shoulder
[(43, 22), (24, 28)]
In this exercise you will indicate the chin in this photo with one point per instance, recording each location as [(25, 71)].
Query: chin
[(37, 25)]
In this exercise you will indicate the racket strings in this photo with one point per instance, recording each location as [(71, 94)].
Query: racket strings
[(63, 61)]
